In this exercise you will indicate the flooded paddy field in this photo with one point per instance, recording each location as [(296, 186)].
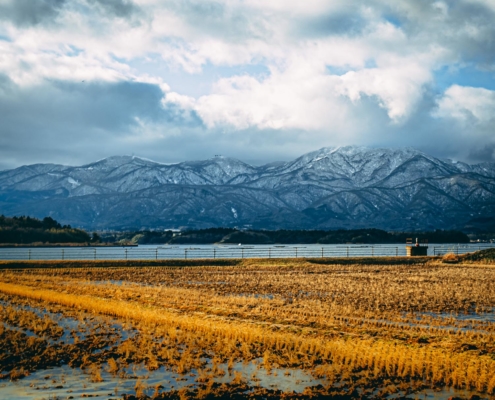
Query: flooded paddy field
[(248, 329)]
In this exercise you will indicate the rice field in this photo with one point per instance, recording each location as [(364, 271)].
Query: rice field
[(291, 328)]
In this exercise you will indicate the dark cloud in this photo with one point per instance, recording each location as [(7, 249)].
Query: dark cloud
[(25, 13), (212, 18), (464, 27), (347, 23), (473, 32), (62, 121), (484, 154), (77, 122), (442, 138), (118, 8), (31, 12)]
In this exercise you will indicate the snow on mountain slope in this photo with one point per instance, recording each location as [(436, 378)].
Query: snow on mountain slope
[(363, 166), (341, 167), (31, 177), (332, 187), (122, 174)]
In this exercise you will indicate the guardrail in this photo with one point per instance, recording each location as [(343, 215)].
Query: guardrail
[(164, 253), (460, 249)]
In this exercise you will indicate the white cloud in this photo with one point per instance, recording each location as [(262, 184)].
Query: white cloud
[(332, 71), (398, 88), (276, 103), (467, 103)]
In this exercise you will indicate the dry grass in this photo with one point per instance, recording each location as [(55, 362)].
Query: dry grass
[(450, 258), (360, 324)]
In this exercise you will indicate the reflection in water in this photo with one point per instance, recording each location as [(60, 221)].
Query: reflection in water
[(65, 381)]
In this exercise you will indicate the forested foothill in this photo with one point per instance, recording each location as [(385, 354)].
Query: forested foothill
[(229, 235), (28, 230)]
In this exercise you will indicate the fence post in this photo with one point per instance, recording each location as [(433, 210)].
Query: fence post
[(62, 254), (156, 254), (214, 253), (347, 250), (29, 254), (242, 253), (296, 252), (269, 252), (396, 251), (372, 251), (94, 254), (185, 254), (125, 254)]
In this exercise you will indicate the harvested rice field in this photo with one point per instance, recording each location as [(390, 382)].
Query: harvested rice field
[(291, 328)]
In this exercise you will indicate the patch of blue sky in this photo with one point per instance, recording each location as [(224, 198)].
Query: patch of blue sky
[(393, 20), (335, 70), (370, 63), (5, 38), (464, 76), (194, 84), (73, 51)]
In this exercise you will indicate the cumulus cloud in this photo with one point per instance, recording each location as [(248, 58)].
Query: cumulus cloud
[(340, 72), (467, 103)]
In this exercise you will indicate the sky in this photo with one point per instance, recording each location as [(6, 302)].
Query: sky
[(258, 80)]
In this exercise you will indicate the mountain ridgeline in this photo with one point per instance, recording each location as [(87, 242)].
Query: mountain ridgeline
[(331, 188)]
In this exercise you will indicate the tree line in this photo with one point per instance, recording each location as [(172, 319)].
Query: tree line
[(28, 230), (341, 236)]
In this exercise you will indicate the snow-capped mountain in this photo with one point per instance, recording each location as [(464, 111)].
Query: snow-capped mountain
[(343, 187)]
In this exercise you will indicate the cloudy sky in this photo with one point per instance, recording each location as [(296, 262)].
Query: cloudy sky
[(259, 80)]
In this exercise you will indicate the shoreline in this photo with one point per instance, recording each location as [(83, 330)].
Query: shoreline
[(55, 245)]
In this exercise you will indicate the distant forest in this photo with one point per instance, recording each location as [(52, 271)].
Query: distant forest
[(27, 230), (228, 235)]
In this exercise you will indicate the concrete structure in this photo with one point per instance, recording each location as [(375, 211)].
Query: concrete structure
[(416, 249)]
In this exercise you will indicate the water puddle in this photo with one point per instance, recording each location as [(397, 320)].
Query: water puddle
[(488, 316), (444, 394), (74, 330), (66, 382)]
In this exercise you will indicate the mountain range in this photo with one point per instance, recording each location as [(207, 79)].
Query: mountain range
[(342, 187)]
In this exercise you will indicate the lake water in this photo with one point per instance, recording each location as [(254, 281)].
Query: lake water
[(165, 252)]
